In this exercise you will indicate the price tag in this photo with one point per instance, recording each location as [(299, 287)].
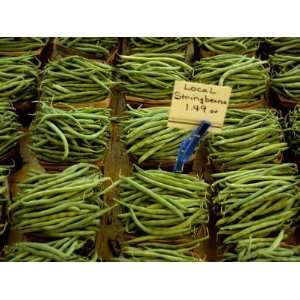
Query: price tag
[(195, 102)]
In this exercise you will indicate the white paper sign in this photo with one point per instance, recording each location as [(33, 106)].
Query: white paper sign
[(195, 102)]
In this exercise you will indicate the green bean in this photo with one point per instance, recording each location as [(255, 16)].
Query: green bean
[(251, 136), (150, 76), (174, 46), (266, 208), (18, 78), (157, 209), (292, 126), (101, 47), (145, 133), (264, 249), (55, 204), (59, 250), (59, 73), (230, 69), (20, 44), (236, 45), (54, 129)]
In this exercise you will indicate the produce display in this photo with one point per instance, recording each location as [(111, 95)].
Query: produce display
[(146, 135), (152, 75), (10, 129), (4, 197), (236, 45), (265, 250), (64, 204), (162, 206), (87, 154), (286, 82), (157, 44), (92, 45), (63, 250), (256, 203), (76, 79), (19, 78), (247, 76), (21, 44), (249, 138), (76, 135)]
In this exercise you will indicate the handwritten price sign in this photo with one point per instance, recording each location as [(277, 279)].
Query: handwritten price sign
[(195, 102)]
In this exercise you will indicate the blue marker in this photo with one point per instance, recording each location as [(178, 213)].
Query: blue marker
[(189, 144)]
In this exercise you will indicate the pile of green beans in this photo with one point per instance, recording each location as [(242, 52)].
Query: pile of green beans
[(4, 197), (76, 79), (158, 44), (62, 250), (161, 252), (284, 45), (61, 204), (264, 250), (249, 138), (92, 45), (162, 205), (76, 135), (146, 135), (284, 62), (152, 75), (256, 203), (18, 78), (236, 45), (246, 75), (286, 82), (292, 124), (10, 128), (21, 44), (286, 52)]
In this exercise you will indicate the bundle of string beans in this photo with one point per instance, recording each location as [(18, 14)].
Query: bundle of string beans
[(246, 75), (256, 203), (160, 205), (76, 79), (10, 128), (18, 78), (21, 44), (76, 135), (286, 52), (158, 44), (64, 204), (161, 251), (284, 45), (92, 45), (236, 45), (68, 249), (249, 138), (264, 250), (146, 135), (152, 75), (292, 124), (4, 197), (286, 82)]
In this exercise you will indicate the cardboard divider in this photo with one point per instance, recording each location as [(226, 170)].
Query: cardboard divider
[(287, 103)]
